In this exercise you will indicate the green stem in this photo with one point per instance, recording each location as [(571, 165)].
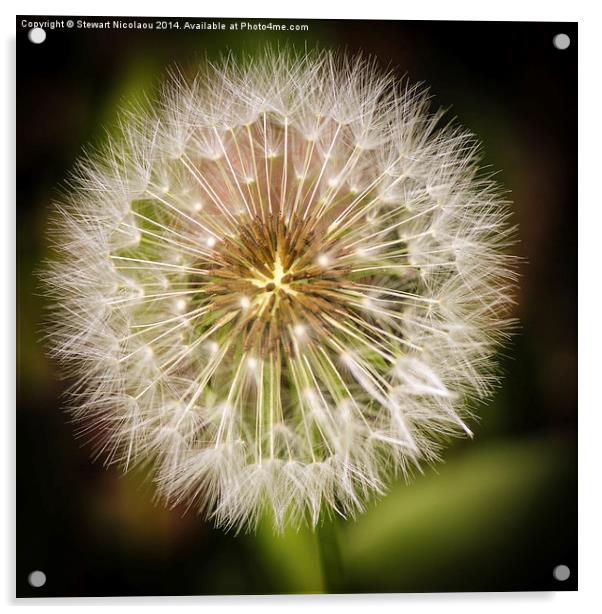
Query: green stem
[(330, 556)]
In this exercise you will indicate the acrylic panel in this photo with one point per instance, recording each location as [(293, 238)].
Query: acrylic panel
[(296, 306)]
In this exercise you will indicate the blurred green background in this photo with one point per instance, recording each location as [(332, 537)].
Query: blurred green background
[(498, 514)]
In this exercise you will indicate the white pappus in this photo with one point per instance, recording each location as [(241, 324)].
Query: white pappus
[(279, 285)]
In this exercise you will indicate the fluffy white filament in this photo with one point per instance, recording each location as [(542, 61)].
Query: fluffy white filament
[(280, 285)]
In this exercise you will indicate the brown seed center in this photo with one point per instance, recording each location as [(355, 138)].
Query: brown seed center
[(274, 274)]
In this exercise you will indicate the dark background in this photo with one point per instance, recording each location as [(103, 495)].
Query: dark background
[(499, 514)]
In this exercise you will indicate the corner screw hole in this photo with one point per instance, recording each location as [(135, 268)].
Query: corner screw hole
[(37, 578), (561, 573), (561, 41)]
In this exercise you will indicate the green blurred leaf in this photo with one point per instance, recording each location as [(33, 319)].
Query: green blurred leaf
[(434, 533)]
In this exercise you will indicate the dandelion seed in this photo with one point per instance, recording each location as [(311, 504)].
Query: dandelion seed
[(300, 331), (342, 268)]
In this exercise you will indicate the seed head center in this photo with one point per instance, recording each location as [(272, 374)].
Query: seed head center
[(277, 279), (280, 278)]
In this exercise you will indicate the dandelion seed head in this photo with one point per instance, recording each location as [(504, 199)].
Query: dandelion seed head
[(281, 284)]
